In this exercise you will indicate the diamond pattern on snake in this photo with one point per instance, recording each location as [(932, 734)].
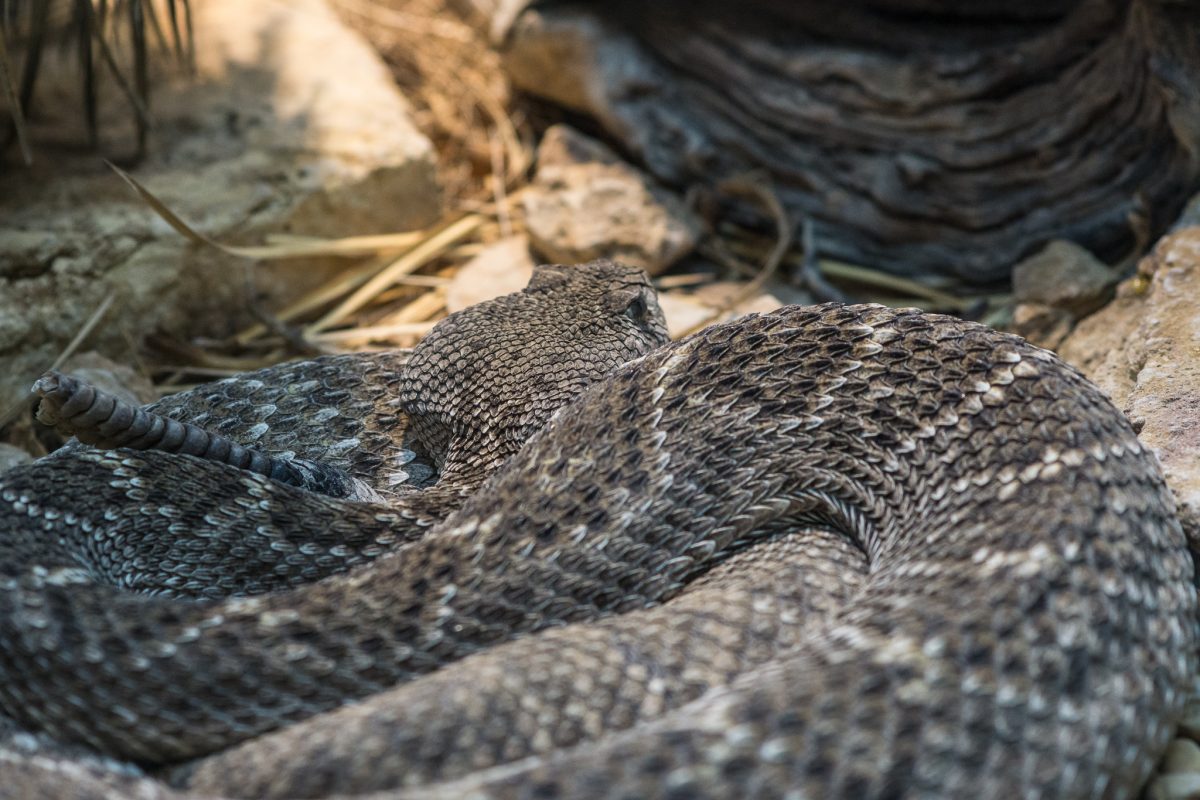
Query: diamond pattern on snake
[(830, 551)]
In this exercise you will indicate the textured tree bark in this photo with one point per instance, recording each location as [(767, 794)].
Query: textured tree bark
[(920, 136)]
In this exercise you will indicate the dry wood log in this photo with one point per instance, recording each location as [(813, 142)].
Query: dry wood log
[(925, 137)]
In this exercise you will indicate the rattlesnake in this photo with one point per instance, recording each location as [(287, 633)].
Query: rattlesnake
[(834, 551)]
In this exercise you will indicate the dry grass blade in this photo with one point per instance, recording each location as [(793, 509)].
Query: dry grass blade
[(135, 97), (410, 23), (84, 22), (373, 333), (424, 307), (499, 188), (155, 27), (14, 100), (416, 258), (305, 248), (894, 283), (810, 275), (349, 247), (284, 248), (166, 213), (141, 74), (321, 296), (84, 332), (517, 157), (33, 55), (176, 37), (425, 281), (190, 33)]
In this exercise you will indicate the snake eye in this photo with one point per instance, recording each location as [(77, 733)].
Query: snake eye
[(636, 310)]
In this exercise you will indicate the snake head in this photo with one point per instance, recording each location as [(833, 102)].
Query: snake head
[(486, 378)]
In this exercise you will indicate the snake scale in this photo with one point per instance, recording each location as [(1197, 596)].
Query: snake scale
[(831, 551)]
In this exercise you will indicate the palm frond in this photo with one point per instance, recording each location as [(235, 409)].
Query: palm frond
[(110, 42)]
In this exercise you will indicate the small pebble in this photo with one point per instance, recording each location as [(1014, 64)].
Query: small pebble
[(1179, 786), (1183, 755)]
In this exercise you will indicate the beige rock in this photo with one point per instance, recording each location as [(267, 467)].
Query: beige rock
[(1183, 786), (499, 268), (292, 124), (1064, 276), (709, 305), (1144, 350), (585, 203), (684, 314), (556, 51), (1183, 755)]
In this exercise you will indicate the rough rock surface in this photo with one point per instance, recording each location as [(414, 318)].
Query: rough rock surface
[(1054, 287), (1063, 275), (271, 135), (585, 203), (1143, 349)]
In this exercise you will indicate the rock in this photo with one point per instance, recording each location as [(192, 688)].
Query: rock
[(1180, 767), (499, 268), (1185, 786), (11, 456), (291, 124), (1065, 276), (563, 146), (710, 304), (1043, 325), (1143, 349), (684, 314), (726, 294), (584, 203), (1183, 755)]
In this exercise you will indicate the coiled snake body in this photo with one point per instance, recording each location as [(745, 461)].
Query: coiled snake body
[(838, 551)]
